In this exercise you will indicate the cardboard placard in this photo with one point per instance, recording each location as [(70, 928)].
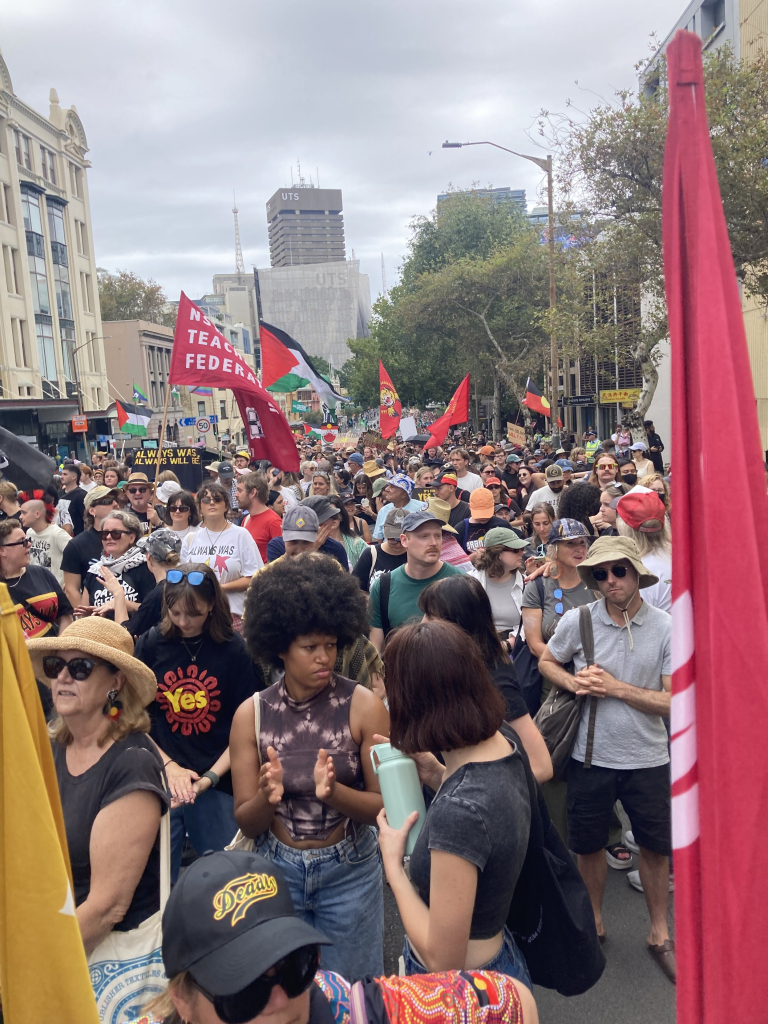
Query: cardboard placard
[(186, 463), (515, 433)]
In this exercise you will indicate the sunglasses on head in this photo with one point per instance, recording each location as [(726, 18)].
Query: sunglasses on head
[(601, 575), (178, 508), (294, 974), (78, 668), (19, 543), (212, 499), (177, 575)]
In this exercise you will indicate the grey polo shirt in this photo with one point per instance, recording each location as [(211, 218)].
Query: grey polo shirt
[(624, 737)]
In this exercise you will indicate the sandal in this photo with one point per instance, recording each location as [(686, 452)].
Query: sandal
[(618, 857), (664, 955)]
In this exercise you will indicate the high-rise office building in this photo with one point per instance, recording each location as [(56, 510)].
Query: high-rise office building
[(305, 226), (499, 195)]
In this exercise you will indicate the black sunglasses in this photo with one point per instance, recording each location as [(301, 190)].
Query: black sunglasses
[(103, 501), (114, 534), (138, 490), (78, 668), (213, 499), (178, 508), (18, 543), (601, 575), (294, 974)]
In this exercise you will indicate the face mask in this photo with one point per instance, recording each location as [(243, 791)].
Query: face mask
[(629, 478)]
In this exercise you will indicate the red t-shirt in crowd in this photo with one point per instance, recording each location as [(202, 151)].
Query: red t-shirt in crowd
[(263, 527)]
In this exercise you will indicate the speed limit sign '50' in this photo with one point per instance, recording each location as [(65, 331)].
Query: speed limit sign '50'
[(203, 426)]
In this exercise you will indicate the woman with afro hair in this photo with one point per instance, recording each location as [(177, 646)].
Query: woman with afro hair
[(304, 785)]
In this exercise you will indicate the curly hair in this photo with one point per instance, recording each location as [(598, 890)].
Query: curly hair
[(579, 501), (293, 597)]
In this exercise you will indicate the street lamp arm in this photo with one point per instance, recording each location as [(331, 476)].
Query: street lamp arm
[(539, 161)]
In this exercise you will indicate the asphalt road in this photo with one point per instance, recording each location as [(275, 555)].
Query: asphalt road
[(632, 990)]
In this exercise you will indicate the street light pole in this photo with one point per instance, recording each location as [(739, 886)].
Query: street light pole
[(546, 166)]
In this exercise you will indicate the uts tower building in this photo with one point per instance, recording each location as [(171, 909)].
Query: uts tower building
[(305, 226)]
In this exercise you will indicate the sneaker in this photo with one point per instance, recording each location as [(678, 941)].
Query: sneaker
[(633, 877), (629, 842)]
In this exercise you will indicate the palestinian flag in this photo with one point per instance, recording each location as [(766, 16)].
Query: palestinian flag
[(310, 432), (286, 367), (132, 419), (534, 399)]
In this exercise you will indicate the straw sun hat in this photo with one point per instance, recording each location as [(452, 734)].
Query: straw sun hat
[(102, 639)]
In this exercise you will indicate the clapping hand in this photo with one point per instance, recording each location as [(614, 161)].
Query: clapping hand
[(325, 776), (271, 778)]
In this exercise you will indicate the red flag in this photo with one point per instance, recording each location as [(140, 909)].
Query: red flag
[(719, 639), (390, 406), (198, 348), (457, 412)]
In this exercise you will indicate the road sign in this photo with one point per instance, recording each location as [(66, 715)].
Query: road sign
[(619, 395), (203, 425), (79, 423), (188, 421), (579, 400)]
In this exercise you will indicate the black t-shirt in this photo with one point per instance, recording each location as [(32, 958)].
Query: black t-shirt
[(128, 765), (15, 515), (196, 700), (471, 534), (149, 613), (510, 480), (136, 582), (459, 514), (384, 563), (142, 517), (505, 679), (482, 813), (40, 599), (81, 552), (72, 502)]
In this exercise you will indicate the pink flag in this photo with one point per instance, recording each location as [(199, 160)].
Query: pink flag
[(720, 602)]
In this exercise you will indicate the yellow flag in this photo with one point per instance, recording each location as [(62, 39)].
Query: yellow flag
[(43, 970)]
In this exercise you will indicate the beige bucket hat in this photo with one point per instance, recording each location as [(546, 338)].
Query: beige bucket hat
[(615, 549)]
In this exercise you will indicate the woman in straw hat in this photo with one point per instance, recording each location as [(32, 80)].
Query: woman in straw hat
[(109, 772)]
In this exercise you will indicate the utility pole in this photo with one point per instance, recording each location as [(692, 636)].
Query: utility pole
[(496, 405)]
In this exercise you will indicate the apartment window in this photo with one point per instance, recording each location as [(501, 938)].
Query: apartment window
[(10, 260), (81, 237), (38, 279), (18, 333), (153, 392), (30, 204), (201, 408), (56, 223), (6, 203), (246, 341), (47, 357), (76, 181), (94, 361), (222, 409), (68, 355), (95, 398), (85, 285), (23, 147), (48, 164)]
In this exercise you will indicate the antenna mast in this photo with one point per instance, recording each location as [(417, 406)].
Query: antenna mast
[(383, 278), (239, 265)]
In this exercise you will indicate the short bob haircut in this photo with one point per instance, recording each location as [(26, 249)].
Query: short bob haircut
[(219, 621), (441, 695), (211, 487), (129, 520), (294, 597), (182, 498), (462, 600)]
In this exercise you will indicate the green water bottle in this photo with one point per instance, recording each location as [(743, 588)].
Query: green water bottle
[(400, 788)]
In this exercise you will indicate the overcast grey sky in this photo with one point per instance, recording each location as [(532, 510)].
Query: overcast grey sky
[(184, 101)]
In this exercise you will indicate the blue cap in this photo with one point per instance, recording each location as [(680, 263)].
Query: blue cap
[(564, 464), (355, 457)]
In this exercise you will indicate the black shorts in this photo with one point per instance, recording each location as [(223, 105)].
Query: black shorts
[(645, 796)]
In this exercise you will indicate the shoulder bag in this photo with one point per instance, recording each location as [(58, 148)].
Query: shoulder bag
[(241, 840), (559, 716), (127, 967), (551, 916), (527, 664)]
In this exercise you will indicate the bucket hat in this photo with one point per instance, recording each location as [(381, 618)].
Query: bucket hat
[(615, 549), (441, 510), (404, 482), (102, 638)]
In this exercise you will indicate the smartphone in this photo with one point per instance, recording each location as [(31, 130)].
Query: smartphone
[(540, 559)]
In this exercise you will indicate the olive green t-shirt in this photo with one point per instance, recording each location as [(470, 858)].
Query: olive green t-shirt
[(404, 595)]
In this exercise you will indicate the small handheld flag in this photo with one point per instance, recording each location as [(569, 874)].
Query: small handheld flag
[(138, 394)]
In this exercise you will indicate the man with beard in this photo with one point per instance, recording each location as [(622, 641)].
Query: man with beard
[(553, 488)]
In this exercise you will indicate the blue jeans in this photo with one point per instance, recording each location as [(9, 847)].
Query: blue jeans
[(209, 822), (338, 890), (509, 960)]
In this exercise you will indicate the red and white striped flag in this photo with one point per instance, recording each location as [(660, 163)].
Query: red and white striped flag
[(720, 592)]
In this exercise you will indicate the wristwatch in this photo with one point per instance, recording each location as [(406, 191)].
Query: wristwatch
[(212, 776)]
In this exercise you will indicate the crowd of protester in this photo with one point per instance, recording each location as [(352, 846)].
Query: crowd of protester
[(232, 656)]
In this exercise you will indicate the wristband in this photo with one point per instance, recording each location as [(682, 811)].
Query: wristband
[(169, 761), (212, 777)]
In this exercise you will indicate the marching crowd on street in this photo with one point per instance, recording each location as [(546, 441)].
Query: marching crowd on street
[(231, 658)]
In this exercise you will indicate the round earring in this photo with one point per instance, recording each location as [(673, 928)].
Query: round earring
[(113, 708)]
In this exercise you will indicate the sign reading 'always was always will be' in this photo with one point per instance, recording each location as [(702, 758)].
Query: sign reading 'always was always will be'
[(184, 462)]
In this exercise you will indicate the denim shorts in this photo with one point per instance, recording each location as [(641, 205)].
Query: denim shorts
[(338, 890), (509, 960)]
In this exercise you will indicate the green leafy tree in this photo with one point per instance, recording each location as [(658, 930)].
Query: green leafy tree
[(125, 296)]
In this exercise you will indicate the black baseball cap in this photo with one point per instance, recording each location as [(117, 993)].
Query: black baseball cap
[(229, 919)]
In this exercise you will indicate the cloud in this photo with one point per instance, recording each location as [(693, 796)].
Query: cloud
[(184, 102)]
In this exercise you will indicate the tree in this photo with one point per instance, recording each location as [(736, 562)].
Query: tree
[(125, 296), (610, 166)]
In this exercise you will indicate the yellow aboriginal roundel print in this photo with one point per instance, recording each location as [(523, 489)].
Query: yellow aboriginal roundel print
[(189, 698), (388, 399)]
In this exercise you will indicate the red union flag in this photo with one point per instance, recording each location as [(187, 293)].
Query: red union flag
[(719, 634), (390, 407), (200, 352), (457, 412)]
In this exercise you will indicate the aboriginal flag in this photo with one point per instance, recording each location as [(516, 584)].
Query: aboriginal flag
[(534, 399)]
